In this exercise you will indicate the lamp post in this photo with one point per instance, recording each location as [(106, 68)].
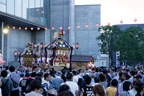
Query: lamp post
[(4, 31)]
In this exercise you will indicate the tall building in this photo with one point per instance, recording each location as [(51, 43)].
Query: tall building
[(48, 13)]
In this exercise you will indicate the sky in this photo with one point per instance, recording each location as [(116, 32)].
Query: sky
[(114, 11)]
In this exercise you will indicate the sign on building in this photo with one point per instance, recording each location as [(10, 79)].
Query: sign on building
[(117, 57)]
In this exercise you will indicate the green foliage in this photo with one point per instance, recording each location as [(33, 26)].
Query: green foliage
[(129, 42), (131, 45)]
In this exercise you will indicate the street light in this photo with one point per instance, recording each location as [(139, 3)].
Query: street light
[(5, 31)]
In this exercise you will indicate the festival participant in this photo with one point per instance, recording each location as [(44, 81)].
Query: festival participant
[(87, 91), (132, 73), (35, 69), (23, 84), (63, 88), (98, 90), (35, 88), (103, 80), (66, 93), (15, 78), (112, 90), (6, 84), (47, 85), (126, 88), (133, 91), (57, 81), (75, 76), (97, 80), (73, 86), (139, 88), (125, 77)]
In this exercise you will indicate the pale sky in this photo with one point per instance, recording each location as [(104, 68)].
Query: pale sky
[(114, 11)]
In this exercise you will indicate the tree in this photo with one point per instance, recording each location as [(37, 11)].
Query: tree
[(130, 43), (108, 37)]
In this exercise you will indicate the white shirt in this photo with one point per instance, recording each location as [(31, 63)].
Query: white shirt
[(44, 81), (73, 86), (76, 78)]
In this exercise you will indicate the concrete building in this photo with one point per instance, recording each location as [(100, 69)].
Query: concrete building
[(48, 13)]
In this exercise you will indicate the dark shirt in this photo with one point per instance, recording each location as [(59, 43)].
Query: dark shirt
[(87, 91), (23, 84)]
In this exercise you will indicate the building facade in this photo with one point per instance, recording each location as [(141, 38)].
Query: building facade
[(47, 14)]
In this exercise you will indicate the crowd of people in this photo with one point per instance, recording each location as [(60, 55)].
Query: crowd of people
[(39, 81)]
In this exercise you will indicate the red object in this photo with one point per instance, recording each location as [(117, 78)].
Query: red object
[(19, 28), (78, 27), (121, 21), (135, 20), (13, 27), (60, 28), (41, 45), (118, 54), (77, 45), (52, 28), (54, 45), (32, 28), (38, 28), (92, 66), (35, 45), (69, 28), (109, 24), (45, 28), (63, 32), (97, 25), (86, 26), (3, 62), (25, 28), (44, 54), (15, 53), (8, 27)]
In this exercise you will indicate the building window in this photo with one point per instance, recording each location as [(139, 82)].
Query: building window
[(10, 7), (18, 8)]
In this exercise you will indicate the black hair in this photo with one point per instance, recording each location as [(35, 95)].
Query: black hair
[(4, 73), (104, 71), (69, 76), (132, 73), (46, 75), (63, 88), (80, 80), (126, 75), (35, 84), (74, 72), (102, 77), (87, 80), (63, 77), (138, 86), (27, 74), (97, 79), (12, 68), (33, 74), (40, 74), (21, 75), (120, 74), (126, 85), (38, 78), (51, 72), (66, 93), (34, 67), (114, 83)]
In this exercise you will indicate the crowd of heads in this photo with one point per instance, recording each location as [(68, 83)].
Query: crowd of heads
[(93, 82)]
